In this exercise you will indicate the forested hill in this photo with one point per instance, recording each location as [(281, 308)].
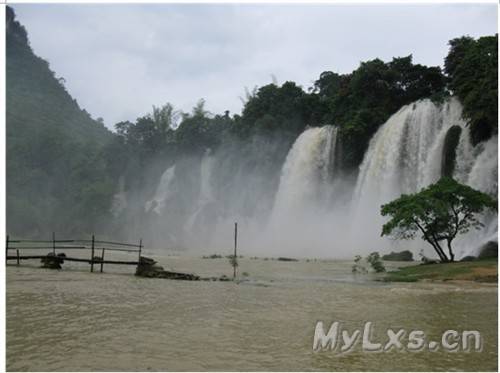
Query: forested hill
[(53, 146)]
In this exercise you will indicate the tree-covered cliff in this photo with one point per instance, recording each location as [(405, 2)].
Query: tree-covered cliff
[(56, 175)]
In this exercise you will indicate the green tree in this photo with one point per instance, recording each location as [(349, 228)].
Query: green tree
[(440, 212), (165, 119), (472, 69)]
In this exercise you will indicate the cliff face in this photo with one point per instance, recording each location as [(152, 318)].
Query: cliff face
[(51, 142)]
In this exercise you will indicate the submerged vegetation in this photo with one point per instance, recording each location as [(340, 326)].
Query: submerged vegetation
[(373, 259)]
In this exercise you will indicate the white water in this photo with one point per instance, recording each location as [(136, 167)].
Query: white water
[(483, 176), (405, 155), (303, 218), (163, 192), (119, 203), (312, 209), (198, 223), (305, 179)]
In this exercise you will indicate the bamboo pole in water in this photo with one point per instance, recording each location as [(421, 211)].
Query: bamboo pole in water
[(235, 246), (6, 249), (140, 252), (102, 259), (92, 256), (54, 243)]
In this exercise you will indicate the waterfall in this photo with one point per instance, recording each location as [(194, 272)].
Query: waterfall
[(310, 208), (405, 155), (306, 174), (483, 176), (119, 203), (163, 192), (300, 217), (206, 195)]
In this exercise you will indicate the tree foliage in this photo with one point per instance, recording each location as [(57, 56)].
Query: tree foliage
[(472, 68), (439, 212)]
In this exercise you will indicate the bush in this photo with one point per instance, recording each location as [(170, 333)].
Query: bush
[(375, 262), (357, 267)]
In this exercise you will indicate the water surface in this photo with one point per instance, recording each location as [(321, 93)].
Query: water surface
[(76, 320)]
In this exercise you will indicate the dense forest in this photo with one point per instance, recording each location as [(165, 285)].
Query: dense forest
[(63, 167)]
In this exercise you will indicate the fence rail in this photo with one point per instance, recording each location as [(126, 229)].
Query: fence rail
[(78, 244)]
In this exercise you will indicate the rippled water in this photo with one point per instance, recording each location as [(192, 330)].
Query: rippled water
[(75, 320)]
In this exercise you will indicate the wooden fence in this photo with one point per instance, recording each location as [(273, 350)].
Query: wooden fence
[(58, 246)]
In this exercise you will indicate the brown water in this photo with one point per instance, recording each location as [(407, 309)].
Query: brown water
[(75, 320)]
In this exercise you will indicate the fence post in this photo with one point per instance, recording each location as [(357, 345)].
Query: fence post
[(7, 249), (140, 251), (54, 242), (92, 256), (102, 259), (18, 259)]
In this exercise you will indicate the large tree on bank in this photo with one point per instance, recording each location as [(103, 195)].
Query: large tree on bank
[(440, 212)]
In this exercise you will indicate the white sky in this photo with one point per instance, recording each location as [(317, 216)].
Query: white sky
[(119, 60)]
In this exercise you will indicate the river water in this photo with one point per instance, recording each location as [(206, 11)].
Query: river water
[(75, 320)]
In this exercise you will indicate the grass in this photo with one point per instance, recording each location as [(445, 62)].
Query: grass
[(479, 270)]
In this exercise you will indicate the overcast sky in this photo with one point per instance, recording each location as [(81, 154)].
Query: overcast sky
[(119, 60)]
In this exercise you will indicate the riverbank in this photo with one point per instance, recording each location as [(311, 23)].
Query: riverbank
[(478, 271)]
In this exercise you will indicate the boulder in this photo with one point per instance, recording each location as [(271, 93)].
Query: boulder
[(402, 256), (147, 267), (488, 250), (468, 258), (53, 261)]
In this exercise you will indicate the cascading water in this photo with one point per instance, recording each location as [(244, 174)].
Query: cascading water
[(120, 202), (312, 209), (406, 155), (305, 178), (301, 220), (163, 192), (200, 220), (206, 196), (483, 176)]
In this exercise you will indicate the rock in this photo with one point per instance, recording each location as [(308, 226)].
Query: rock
[(283, 259), (52, 261), (148, 268), (449, 155), (178, 276), (147, 261), (468, 258), (429, 261), (488, 250), (402, 256)]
